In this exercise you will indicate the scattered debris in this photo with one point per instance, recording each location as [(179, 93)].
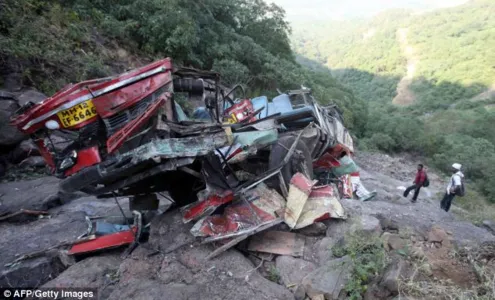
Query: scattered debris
[(93, 243)]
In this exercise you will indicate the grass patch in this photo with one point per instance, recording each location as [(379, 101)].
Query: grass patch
[(368, 260), (273, 274), (473, 207)]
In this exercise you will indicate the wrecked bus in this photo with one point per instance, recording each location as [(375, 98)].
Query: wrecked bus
[(128, 136)]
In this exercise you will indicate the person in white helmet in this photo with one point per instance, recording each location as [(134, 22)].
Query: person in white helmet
[(453, 188)]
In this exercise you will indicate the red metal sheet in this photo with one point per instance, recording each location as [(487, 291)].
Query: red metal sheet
[(120, 99), (85, 158), (85, 88), (205, 207), (242, 216), (302, 183), (104, 242), (118, 138)]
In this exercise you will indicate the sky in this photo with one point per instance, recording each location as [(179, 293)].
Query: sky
[(342, 9)]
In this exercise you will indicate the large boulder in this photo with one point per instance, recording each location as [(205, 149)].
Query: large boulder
[(169, 233), (489, 225), (186, 274), (96, 272), (24, 150), (38, 194), (397, 271), (65, 224), (33, 162), (9, 135), (365, 224), (319, 250), (30, 95), (328, 280), (32, 237), (292, 271)]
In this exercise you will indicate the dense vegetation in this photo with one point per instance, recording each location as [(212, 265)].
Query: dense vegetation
[(55, 42), (450, 119)]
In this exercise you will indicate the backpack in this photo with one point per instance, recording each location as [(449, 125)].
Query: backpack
[(460, 191), (426, 183)]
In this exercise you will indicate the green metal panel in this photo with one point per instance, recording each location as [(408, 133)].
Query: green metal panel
[(261, 137), (179, 147)]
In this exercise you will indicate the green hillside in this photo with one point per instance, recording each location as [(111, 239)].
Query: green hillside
[(51, 43), (429, 80)]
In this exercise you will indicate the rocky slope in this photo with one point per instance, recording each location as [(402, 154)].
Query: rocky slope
[(419, 242)]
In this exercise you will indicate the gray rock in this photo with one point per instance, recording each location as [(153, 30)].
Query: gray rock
[(9, 135), (293, 270), (437, 235), (337, 228), (467, 234), (328, 280), (25, 149), (393, 241), (94, 272), (325, 249), (489, 225), (6, 95), (397, 270), (36, 236), (148, 289), (66, 224), (186, 274), (318, 250), (315, 229), (30, 96), (33, 162), (168, 232), (367, 224), (38, 194), (29, 194)]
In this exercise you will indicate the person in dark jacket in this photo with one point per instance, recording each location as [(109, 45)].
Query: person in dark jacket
[(417, 184)]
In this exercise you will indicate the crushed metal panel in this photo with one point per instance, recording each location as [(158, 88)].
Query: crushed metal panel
[(346, 166), (342, 135), (241, 217), (179, 147), (299, 190), (261, 137), (323, 203), (205, 206), (278, 242)]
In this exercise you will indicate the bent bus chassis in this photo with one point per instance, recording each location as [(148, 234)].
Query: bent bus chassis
[(127, 135)]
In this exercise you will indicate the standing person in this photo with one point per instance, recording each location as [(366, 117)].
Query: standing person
[(455, 187), (417, 184)]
